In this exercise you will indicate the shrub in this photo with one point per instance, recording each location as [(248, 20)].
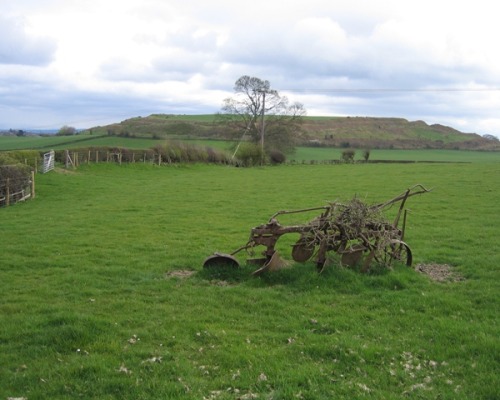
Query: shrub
[(170, 152), (348, 156), (249, 154), (214, 156), (277, 157), (176, 151), (6, 159), (16, 176), (27, 157)]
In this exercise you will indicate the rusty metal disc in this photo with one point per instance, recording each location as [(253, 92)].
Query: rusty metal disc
[(221, 260)]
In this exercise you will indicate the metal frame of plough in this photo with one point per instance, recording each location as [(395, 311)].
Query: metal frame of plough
[(372, 241)]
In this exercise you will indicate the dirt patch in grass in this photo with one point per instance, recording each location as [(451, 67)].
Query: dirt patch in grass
[(439, 272), (64, 171), (180, 273)]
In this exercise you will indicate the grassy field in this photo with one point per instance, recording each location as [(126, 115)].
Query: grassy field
[(103, 294), (315, 153), (72, 142)]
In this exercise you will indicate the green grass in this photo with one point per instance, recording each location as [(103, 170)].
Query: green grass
[(33, 142), (323, 153), (88, 308), (73, 142), (306, 154)]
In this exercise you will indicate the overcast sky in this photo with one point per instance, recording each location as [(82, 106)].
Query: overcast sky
[(91, 62)]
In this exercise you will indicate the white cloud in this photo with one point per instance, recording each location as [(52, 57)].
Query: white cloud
[(68, 60), (17, 46)]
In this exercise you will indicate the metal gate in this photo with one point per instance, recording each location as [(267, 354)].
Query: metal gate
[(48, 161)]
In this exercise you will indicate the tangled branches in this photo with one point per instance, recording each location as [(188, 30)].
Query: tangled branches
[(358, 232)]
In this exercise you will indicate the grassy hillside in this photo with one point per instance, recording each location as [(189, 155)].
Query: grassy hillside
[(361, 132), (354, 132), (163, 126), (103, 294), (321, 132)]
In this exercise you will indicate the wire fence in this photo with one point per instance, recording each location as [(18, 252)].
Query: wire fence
[(151, 156), (76, 158)]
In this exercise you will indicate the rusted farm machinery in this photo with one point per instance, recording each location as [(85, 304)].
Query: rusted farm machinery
[(359, 234)]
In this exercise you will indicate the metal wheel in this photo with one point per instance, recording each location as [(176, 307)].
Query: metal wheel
[(395, 250)]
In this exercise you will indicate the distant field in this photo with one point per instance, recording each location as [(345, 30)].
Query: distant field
[(312, 153), (324, 153), (86, 140), (302, 154), (71, 142), (104, 297)]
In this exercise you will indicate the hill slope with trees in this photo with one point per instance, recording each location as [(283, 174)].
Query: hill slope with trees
[(344, 132)]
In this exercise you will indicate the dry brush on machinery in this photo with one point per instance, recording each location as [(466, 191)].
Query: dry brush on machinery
[(356, 232)]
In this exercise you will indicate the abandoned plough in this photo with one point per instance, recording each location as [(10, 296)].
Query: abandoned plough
[(356, 232)]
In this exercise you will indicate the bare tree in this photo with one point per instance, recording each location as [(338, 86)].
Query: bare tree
[(262, 114), (366, 154), (66, 131)]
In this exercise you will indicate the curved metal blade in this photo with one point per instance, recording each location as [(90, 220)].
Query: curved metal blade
[(220, 260), (274, 263)]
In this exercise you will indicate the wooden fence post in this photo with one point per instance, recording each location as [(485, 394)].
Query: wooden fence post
[(32, 184), (7, 198)]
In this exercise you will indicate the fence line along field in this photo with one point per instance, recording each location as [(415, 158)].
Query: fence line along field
[(302, 154), (104, 296)]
